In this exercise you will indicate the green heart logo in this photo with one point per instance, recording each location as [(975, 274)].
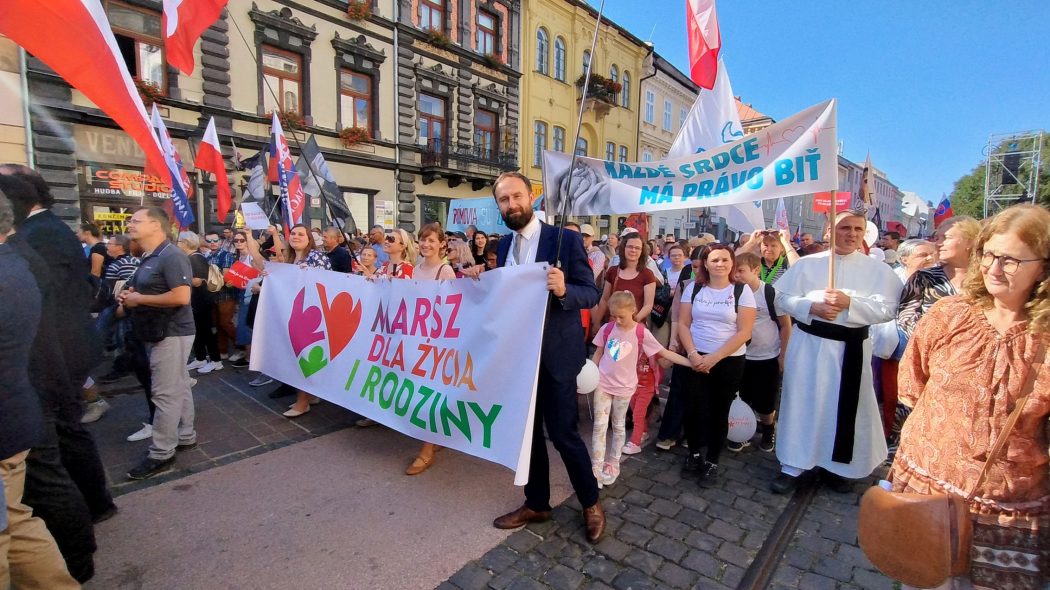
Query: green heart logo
[(313, 362)]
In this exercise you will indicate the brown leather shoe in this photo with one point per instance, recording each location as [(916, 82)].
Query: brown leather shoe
[(595, 519), (521, 517)]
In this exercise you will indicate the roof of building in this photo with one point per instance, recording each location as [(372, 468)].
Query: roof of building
[(669, 68), (594, 13), (749, 113)]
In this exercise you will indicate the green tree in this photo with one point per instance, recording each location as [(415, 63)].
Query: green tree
[(968, 193)]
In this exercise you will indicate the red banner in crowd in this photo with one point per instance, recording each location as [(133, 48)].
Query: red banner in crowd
[(822, 201), (239, 274)]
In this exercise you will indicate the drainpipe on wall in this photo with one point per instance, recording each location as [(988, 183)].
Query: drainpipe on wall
[(24, 81)]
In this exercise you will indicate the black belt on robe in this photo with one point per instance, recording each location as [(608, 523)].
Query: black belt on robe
[(849, 381)]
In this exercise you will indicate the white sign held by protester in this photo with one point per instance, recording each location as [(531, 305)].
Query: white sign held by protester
[(793, 157), (413, 355), (254, 216)]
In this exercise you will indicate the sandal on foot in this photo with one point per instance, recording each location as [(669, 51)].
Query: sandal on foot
[(419, 465)]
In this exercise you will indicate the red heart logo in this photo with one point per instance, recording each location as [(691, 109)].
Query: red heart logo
[(303, 324), (341, 318)]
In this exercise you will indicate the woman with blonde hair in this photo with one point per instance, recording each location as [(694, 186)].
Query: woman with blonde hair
[(460, 257), (970, 363), (402, 252)]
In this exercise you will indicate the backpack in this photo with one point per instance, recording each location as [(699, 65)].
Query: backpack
[(738, 289), (639, 333), (662, 302), (770, 294), (215, 280)]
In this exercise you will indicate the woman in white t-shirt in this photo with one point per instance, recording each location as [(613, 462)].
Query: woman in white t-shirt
[(715, 321)]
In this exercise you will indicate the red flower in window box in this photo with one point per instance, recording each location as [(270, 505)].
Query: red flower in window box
[(438, 39), (290, 120), (149, 91), (351, 136), (492, 60), (359, 9)]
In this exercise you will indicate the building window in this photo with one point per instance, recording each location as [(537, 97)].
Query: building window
[(542, 52), (650, 107), (559, 59), (614, 74), (623, 153), (283, 73), (432, 121), (625, 96), (539, 141), (559, 140), (610, 151), (581, 147), (647, 156), (486, 134), (486, 33), (355, 100), (432, 15), (682, 116), (586, 60), (140, 42), (667, 115)]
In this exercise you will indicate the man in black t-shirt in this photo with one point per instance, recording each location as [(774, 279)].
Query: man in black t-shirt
[(158, 298), (97, 255), (338, 254)]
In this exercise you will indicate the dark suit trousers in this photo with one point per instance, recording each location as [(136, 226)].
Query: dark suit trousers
[(556, 408)]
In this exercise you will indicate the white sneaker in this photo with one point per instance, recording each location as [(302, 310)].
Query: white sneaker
[(631, 449), (196, 365), (236, 356), (94, 411), (209, 367), (260, 381), (143, 434), (193, 382)]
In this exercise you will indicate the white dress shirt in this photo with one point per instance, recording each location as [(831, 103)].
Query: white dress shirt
[(530, 235)]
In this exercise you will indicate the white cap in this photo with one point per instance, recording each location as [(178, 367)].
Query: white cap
[(587, 230)]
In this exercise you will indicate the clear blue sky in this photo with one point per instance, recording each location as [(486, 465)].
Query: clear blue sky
[(919, 84)]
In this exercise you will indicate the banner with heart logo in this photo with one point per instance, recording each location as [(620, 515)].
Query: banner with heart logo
[(453, 363), (796, 156)]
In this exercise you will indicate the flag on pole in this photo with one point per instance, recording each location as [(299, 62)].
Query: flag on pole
[(209, 159), (180, 181), (780, 218), (705, 41), (714, 121), (291, 189), (73, 37), (328, 188), (797, 238), (943, 212), (867, 185), (877, 219), (183, 22)]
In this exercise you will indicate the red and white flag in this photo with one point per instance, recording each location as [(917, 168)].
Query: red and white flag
[(209, 158), (287, 178), (183, 22), (705, 41), (73, 37)]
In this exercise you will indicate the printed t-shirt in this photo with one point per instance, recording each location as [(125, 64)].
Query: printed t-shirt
[(765, 335), (714, 316), (618, 367)]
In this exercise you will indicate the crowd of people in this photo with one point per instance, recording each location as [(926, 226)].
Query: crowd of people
[(851, 355)]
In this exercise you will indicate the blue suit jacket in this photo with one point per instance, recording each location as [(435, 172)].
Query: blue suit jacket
[(564, 350)]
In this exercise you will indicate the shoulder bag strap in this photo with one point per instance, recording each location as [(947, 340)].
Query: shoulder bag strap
[(1000, 441)]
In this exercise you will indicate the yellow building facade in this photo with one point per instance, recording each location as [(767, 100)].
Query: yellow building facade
[(555, 47)]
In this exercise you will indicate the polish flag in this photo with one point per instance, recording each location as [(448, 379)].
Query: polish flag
[(183, 22), (209, 159), (287, 177), (705, 41), (73, 37), (180, 181)]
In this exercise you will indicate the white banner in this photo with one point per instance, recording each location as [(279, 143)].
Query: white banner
[(793, 157), (453, 363), (254, 216)]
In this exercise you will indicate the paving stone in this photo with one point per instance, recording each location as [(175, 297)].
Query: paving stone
[(833, 568), (675, 576), (734, 554), (672, 528), (640, 499), (694, 518), (614, 491), (498, 558), (718, 495), (754, 539), (668, 548), (811, 581), (504, 579), (662, 490), (750, 506), (702, 563), (844, 533), (740, 489), (534, 565), (641, 516), (787, 575), (523, 541), (668, 476), (853, 556), (603, 569), (639, 484), (799, 558), (562, 578), (725, 512), (634, 534), (447, 586), (703, 541), (710, 584), (665, 507), (615, 548), (732, 575), (543, 529), (551, 547), (725, 530), (870, 580), (692, 500), (471, 577), (632, 579), (524, 583), (644, 561), (596, 585), (817, 545)]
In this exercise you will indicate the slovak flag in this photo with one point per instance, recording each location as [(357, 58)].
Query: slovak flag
[(287, 178), (705, 41), (943, 212), (183, 22), (73, 38), (180, 181), (209, 158)]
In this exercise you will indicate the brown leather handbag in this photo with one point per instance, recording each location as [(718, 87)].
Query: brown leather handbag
[(923, 539)]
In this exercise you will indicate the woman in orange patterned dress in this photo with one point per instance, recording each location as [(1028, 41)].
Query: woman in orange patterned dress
[(963, 372)]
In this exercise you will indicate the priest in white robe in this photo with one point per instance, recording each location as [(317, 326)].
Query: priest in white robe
[(829, 417)]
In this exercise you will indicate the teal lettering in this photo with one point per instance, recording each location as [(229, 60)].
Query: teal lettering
[(460, 421), (751, 149), (424, 395), (487, 420), (353, 372), (374, 375), (784, 172), (384, 400), (399, 408)]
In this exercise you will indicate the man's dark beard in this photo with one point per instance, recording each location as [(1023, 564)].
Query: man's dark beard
[(516, 220)]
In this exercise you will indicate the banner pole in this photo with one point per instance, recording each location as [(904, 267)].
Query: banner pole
[(576, 140), (831, 240)]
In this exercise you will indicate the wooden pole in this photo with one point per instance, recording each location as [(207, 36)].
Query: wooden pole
[(831, 241)]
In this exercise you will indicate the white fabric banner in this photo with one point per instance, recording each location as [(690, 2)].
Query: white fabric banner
[(453, 363), (254, 216), (795, 156)]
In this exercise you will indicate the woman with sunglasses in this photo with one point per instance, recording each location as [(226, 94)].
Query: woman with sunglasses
[(401, 251), (301, 250), (243, 297), (970, 363)]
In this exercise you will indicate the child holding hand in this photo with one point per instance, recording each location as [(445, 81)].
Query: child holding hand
[(620, 344)]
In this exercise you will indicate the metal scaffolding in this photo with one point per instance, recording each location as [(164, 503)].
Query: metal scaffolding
[(1011, 170)]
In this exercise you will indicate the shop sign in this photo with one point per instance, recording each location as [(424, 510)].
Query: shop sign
[(105, 181)]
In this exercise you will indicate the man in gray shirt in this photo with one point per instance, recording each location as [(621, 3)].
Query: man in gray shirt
[(158, 300)]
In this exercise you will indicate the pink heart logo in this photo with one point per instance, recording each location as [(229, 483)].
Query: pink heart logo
[(790, 135), (303, 324)]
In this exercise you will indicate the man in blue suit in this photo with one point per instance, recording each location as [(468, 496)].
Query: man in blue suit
[(572, 288)]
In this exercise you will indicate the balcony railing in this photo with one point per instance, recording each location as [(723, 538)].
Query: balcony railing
[(444, 154)]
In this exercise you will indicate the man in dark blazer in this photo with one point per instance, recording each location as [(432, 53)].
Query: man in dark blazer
[(572, 288)]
